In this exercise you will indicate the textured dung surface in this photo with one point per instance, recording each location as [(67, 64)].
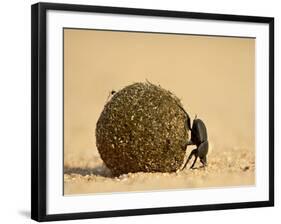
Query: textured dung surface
[(142, 129)]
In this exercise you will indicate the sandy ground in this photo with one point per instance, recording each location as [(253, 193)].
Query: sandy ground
[(229, 167), (213, 76)]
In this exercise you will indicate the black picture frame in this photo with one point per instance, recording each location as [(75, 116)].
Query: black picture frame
[(38, 108)]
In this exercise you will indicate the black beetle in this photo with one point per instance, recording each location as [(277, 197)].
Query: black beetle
[(199, 138)]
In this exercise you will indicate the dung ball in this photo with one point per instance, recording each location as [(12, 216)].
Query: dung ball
[(142, 129)]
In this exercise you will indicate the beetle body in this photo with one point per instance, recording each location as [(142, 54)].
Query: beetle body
[(199, 137), (198, 132)]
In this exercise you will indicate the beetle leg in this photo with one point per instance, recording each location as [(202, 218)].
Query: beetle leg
[(203, 151), (187, 144), (196, 156), (194, 152), (204, 161)]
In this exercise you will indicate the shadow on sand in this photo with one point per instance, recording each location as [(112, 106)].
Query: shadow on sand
[(101, 170)]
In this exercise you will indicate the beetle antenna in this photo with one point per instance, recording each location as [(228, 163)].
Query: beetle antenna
[(195, 116)]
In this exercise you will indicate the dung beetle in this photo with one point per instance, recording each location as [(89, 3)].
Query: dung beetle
[(199, 138)]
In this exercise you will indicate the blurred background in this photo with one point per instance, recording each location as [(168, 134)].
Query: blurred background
[(213, 76)]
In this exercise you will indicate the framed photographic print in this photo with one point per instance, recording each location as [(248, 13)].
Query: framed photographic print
[(141, 111)]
